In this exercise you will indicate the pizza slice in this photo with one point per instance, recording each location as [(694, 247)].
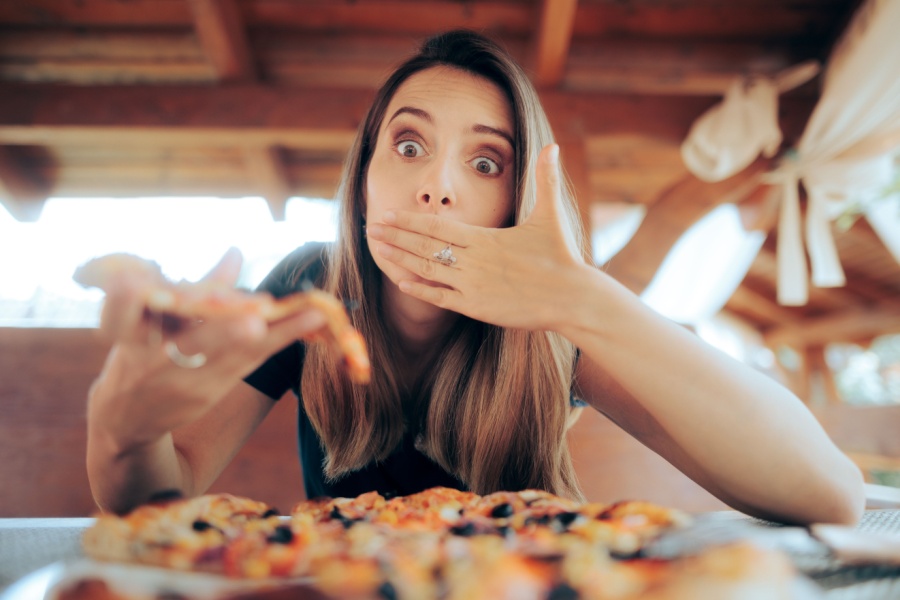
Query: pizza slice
[(206, 299)]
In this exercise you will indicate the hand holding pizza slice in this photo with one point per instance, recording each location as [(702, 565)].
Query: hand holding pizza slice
[(174, 305)]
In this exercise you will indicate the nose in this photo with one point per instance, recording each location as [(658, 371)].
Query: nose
[(437, 191)]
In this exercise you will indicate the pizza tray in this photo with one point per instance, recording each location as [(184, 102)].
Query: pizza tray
[(150, 583)]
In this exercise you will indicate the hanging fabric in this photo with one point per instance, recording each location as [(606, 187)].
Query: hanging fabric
[(844, 157)]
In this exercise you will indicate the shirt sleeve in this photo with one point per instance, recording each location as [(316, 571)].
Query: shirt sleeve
[(282, 370)]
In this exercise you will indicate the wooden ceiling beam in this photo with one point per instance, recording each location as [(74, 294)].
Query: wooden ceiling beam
[(385, 16), (248, 105), (695, 20), (846, 326), (267, 167), (747, 301), (360, 60), (747, 18), (177, 137), (765, 266), (171, 106), (670, 217), (22, 192), (552, 40), (220, 27)]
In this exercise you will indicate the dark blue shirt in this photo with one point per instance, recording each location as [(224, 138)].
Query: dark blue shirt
[(405, 471)]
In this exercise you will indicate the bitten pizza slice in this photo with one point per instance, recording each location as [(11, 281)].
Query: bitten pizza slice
[(206, 299)]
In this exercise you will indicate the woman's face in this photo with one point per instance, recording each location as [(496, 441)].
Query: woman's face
[(445, 147)]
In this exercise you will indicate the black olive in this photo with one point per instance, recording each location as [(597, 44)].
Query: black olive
[(566, 518), (563, 591), (502, 511), (387, 591), (282, 535), (541, 520), (200, 525), (272, 512), (465, 530), (345, 521)]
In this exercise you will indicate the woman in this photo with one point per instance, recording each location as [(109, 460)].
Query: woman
[(460, 246)]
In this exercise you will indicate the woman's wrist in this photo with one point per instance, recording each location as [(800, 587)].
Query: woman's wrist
[(589, 301), (112, 423), (108, 432)]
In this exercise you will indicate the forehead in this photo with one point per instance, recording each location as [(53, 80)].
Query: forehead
[(448, 91)]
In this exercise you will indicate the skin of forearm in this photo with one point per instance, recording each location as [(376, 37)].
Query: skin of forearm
[(121, 480), (752, 440), (124, 476)]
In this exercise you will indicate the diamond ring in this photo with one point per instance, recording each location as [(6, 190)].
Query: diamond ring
[(445, 256)]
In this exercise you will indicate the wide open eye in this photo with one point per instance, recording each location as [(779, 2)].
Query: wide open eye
[(485, 166), (410, 149)]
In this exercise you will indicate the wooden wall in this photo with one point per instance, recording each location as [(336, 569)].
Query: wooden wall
[(44, 378)]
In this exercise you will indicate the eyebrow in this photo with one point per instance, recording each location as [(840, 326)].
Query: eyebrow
[(494, 131), (411, 110), (478, 128)]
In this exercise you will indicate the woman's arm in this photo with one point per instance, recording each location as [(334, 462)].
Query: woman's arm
[(154, 425), (124, 475), (735, 431)]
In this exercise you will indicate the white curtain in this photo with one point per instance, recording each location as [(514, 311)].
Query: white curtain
[(844, 156)]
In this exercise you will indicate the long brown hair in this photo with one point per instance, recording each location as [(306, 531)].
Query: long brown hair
[(494, 408)]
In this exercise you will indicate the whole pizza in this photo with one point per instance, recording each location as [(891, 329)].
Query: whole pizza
[(439, 544)]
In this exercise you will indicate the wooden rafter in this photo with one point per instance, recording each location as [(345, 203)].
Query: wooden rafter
[(381, 16), (321, 108), (22, 191), (830, 299), (220, 27), (359, 60), (402, 17), (267, 167), (221, 30), (827, 388), (552, 40), (849, 325), (747, 301), (173, 137), (670, 217)]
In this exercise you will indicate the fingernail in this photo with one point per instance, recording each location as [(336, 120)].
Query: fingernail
[(389, 217), (554, 154), (375, 230)]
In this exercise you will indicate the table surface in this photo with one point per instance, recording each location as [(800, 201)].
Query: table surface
[(27, 545)]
